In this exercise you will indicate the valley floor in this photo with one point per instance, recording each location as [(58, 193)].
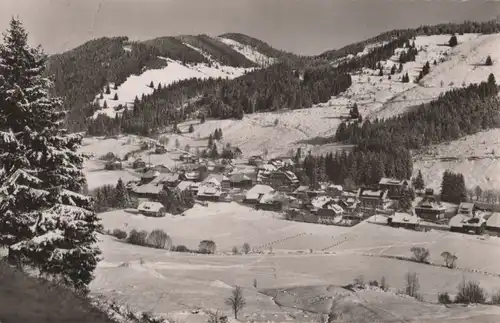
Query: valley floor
[(302, 255)]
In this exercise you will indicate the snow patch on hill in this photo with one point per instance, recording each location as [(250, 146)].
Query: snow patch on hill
[(476, 156), (137, 85), (249, 52)]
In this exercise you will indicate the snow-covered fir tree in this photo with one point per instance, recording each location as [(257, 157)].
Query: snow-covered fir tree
[(45, 220)]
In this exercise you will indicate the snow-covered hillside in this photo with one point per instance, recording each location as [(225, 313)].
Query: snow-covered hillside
[(137, 85), (249, 52), (477, 157)]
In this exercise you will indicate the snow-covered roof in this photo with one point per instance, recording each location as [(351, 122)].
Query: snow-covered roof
[(367, 193), (217, 177), (149, 188), (494, 220), (237, 178), (400, 217), (150, 206), (257, 190), (390, 181), (184, 185), (319, 201), (430, 202), (209, 189), (151, 173)]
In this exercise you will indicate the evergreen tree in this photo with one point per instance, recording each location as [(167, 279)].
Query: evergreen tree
[(453, 41), (489, 61), (418, 183), (159, 87), (45, 221), (108, 90), (101, 96), (210, 141), (115, 86), (122, 198), (393, 69), (400, 68), (405, 201), (152, 85), (380, 72), (191, 128), (115, 97)]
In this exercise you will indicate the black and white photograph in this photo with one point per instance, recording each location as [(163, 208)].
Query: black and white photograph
[(249, 161)]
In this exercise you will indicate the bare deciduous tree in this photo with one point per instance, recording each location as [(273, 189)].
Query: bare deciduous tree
[(159, 239), (236, 301), (420, 254), (412, 285), (449, 259)]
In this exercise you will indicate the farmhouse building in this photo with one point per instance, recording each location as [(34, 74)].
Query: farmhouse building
[(373, 199), (255, 160), (430, 209), (394, 187), (155, 209), (240, 180), (285, 181), (219, 179), (330, 213), (468, 218), (138, 163), (209, 191), (148, 190), (149, 175), (272, 201), (172, 180), (404, 220), (254, 195)]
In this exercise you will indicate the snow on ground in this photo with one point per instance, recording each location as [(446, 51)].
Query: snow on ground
[(249, 52), (167, 282), (257, 132), (228, 224), (137, 85), (476, 156)]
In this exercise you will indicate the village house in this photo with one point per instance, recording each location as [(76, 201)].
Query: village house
[(373, 199), (394, 187), (220, 179), (272, 201), (349, 200), (154, 209), (149, 175), (330, 213), (235, 152), (184, 186), (240, 181), (171, 180), (160, 149), (209, 191), (430, 209), (493, 222), (254, 195), (285, 181), (469, 218), (138, 163), (113, 165), (162, 169), (255, 161), (193, 176), (404, 220), (188, 158), (146, 191)]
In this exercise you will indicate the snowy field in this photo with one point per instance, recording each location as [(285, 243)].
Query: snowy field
[(476, 156), (176, 283)]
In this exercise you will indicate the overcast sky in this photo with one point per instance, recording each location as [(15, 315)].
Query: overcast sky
[(301, 26)]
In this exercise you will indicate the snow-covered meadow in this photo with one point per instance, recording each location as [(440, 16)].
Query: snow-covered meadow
[(176, 284)]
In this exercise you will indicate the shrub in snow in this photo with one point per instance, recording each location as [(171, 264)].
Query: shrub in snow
[(453, 41), (207, 247), (181, 248), (46, 222), (159, 239), (120, 234), (137, 237), (420, 254), (449, 259), (495, 298), (444, 298), (235, 250), (470, 292)]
